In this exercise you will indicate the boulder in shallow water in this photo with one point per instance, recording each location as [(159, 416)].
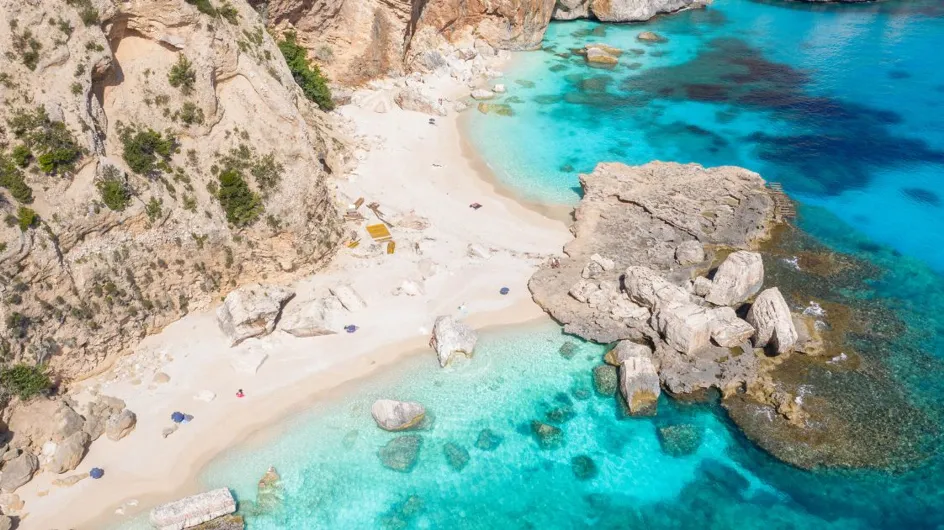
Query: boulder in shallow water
[(392, 415), (456, 456), (583, 467), (639, 385), (727, 330), (626, 349), (651, 36), (193, 510), (679, 440), (690, 252), (738, 278), (401, 453), (568, 350), (482, 93), (451, 337), (251, 311), (227, 522), (770, 316), (269, 491), (547, 436), (488, 440), (606, 380), (597, 56)]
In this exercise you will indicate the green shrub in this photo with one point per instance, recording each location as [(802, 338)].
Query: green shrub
[(76, 88), (241, 204), (191, 114), (57, 149), (18, 324), (203, 6), (27, 218), (113, 188), (146, 150), (267, 172), (24, 380), (182, 75), (87, 11), (26, 45), (22, 155), (229, 13), (12, 179), (154, 209), (309, 77)]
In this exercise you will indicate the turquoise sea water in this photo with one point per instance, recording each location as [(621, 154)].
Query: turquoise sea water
[(842, 104)]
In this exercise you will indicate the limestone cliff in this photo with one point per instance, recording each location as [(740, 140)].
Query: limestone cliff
[(358, 40), (155, 154)]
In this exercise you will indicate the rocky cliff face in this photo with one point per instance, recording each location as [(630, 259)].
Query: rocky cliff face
[(155, 154), (357, 40)]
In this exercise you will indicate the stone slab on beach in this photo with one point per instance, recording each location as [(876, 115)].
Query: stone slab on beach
[(451, 337), (193, 510)]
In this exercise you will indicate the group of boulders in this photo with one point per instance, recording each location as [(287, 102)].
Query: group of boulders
[(255, 310), (54, 435)]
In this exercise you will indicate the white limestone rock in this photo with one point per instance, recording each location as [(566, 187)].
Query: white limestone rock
[(686, 327), (690, 252), (770, 316), (392, 415), (482, 94), (639, 384), (348, 297), (648, 288), (727, 330), (739, 277), (451, 337), (193, 510), (251, 311), (626, 349), (321, 316)]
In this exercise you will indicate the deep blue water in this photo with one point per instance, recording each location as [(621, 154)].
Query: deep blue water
[(843, 105)]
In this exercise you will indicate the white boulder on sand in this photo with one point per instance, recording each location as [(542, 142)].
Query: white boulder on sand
[(739, 277), (348, 297), (321, 316), (251, 311), (193, 510), (451, 337), (770, 316), (392, 415)]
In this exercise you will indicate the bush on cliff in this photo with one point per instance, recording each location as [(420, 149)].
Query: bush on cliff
[(182, 75), (146, 150), (113, 188), (241, 204), (13, 180), (24, 380), (308, 76), (56, 148)]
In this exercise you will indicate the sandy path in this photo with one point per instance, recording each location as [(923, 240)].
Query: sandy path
[(413, 166)]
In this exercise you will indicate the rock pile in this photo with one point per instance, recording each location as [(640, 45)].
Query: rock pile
[(639, 274)]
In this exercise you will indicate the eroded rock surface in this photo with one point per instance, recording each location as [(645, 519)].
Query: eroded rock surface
[(452, 337), (251, 311)]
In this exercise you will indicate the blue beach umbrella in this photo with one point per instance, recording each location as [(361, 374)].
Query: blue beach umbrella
[(97, 473), (177, 417)]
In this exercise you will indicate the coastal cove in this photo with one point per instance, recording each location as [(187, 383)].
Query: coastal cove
[(780, 321)]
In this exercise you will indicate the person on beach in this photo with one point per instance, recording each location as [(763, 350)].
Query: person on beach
[(239, 393)]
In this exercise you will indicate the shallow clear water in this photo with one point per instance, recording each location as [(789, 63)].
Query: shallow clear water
[(843, 105)]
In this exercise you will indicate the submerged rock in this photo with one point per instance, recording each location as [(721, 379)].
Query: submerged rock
[(770, 316), (227, 522), (583, 467), (401, 453), (605, 380), (488, 440), (393, 415), (561, 414), (456, 456), (650, 36), (568, 350), (679, 440), (269, 491), (547, 436)]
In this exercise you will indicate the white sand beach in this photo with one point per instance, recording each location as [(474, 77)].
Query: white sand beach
[(410, 166)]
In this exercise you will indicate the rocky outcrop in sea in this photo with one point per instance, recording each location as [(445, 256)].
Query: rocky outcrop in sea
[(665, 266)]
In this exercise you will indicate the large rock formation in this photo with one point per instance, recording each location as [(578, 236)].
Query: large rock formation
[(770, 315), (193, 510), (126, 239), (739, 277), (17, 472), (251, 311), (358, 40)]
